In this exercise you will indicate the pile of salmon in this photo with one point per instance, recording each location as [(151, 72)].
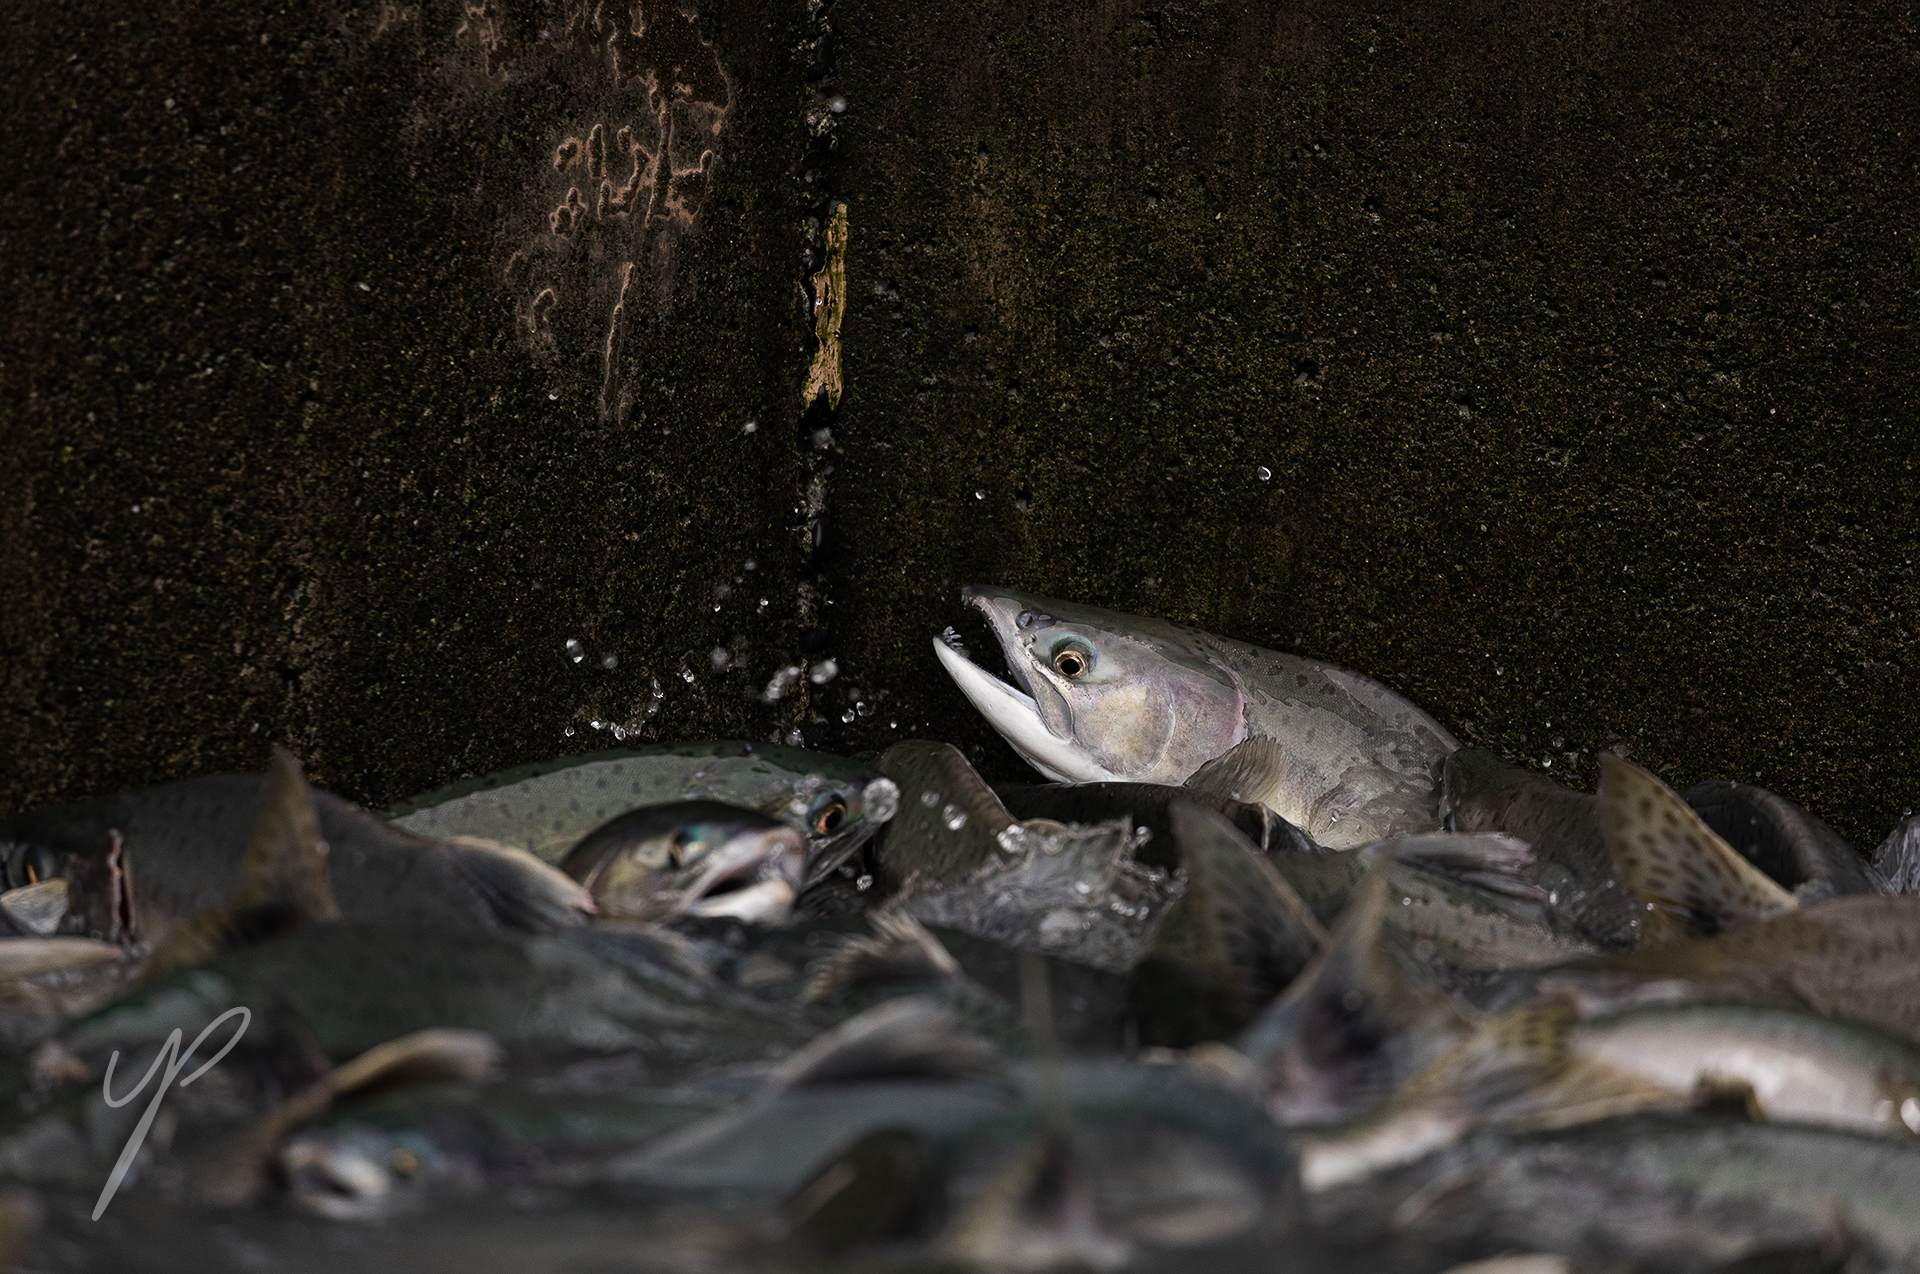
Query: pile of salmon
[(1261, 971)]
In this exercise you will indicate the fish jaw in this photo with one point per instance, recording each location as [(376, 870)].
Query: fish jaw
[(755, 878), (1016, 716)]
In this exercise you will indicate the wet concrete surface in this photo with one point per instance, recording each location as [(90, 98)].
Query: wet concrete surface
[(1550, 363)]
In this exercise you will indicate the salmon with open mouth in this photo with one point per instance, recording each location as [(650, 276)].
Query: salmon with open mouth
[(693, 858), (1106, 697)]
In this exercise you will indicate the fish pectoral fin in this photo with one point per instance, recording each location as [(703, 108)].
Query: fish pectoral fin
[(1254, 770), (1692, 882)]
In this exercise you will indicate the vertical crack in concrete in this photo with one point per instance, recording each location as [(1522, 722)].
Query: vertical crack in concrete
[(823, 305)]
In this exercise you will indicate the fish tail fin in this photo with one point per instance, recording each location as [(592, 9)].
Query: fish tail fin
[(901, 950), (1353, 1024), (912, 1037), (1236, 938), (522, 892), (1897, 861), (1489, 863), (1035, 1212), (1691, 881)]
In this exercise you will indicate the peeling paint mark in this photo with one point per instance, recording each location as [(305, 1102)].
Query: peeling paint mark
[(480, 22), (829, 307), (626, 183)]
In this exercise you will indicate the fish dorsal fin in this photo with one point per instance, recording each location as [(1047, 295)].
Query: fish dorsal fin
[(1692, 882), (1235, 939), (285, 863), (284, 883), (1252, 770)]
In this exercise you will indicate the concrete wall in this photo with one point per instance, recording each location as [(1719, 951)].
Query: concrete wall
[(1551, 362)]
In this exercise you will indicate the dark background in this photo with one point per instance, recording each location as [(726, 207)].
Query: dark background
[(1575, 339)]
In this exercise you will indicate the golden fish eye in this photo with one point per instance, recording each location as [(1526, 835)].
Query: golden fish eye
[(828, 817), (1071, 661)]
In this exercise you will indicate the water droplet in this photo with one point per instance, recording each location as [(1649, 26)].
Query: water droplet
[(597, 724), (619, 732), (893, 725), (658, 693), (763, 604), (567, 733), (863, 884), (610, 661), (721, 659), (575, 651), (553, 395), (1262, 472), (929, 798), (954, 817), (686, 675), (862, 707), (823, 672), (837, 104), (846, 718), (752, 426), (1406, 902), (979, 495)]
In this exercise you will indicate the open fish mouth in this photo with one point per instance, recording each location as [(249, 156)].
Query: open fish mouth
[(1010, 708), (755, 878)]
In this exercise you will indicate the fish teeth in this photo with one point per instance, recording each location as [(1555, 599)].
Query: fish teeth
[(952, 639)]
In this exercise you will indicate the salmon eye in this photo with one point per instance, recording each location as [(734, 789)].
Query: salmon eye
[(1071, 659), (828, 816), (677, 848)]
